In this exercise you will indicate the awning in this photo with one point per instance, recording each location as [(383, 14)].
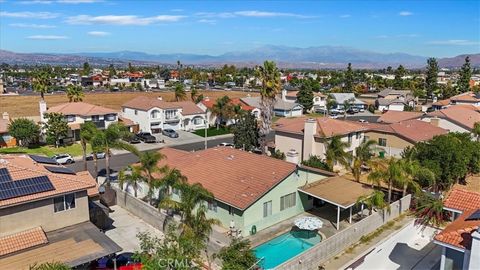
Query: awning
[(74, 245), (337, 190)]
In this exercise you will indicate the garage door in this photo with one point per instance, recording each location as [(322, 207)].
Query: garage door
[(172, 125)]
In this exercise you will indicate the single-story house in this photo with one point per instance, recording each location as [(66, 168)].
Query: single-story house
[(341, 98)]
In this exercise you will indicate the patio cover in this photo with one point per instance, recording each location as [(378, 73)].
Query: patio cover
[(74, 245), (337, 190)]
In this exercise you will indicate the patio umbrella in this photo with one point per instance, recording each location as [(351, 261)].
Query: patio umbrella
[(308, 223)]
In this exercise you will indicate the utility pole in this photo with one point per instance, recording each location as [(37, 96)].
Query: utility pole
[(206, 127)]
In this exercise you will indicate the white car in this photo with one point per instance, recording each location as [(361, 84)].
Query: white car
[(63, 159), (226, 144)]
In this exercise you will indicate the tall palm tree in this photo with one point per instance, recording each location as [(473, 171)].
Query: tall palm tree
[(111, 138), (87, 132), (41, 82), (132, 175), (149, 166), (75, 93), (222, 110), (389, 172), (363, 154), (336, 153), (429, 210), (180, 92), (194, 94), (374, 201), (269, 75), (410, 169), (172, 178), (476, 130)]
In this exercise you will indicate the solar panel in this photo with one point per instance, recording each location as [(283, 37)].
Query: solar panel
[(474, 216), (12, 189), (41, 159), (63, 170), (4, 175)]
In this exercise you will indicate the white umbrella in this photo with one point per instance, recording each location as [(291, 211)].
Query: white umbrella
[(308, 223)]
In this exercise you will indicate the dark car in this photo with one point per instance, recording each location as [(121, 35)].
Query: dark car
[(170, 133), (134, 140), (146, 137)]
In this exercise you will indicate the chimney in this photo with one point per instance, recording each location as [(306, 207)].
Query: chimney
[(435, 121), (309, 131), (284, 94), (159, 98), (43, 109), (293, 156), (5, 116)]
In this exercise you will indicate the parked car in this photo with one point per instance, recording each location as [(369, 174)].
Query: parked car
[(100, 155), (134, 140), (363, 121), (226, 144), (352, 111), (63, 159), (146, 137), (170, 133)]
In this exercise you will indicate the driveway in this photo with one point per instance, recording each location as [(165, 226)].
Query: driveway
[(410, 248), (126, 226)]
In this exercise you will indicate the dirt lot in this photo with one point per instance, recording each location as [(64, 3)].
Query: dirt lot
[(20, 106)]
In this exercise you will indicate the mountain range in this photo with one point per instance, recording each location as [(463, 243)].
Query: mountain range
[(286, 57)]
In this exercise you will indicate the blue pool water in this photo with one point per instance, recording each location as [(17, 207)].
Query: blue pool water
[(288, 245)]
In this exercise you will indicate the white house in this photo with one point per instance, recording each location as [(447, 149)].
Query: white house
[(454, 118), (341, 98), (153, 114), (394, 100), (207, 105), (282, 107), (319, 99)]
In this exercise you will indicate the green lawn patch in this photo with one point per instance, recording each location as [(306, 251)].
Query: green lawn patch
[(47, 150), (212, 131)]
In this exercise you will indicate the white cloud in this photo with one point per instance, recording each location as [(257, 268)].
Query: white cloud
[(78, 1), (29, 15), (405, 13), (345, 16), (207, 21), (454, 42), (98, 33), (249, 13), (32, 25), (33, 2), (122, 19), (47, 37)]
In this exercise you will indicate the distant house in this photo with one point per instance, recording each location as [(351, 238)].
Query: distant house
[(458, 118), (207, 105), (468, 98), (5, 139), (77, 113), (154, 114), (281, 107), (94, 80), (390, 117), (319, 99), (341, 98), (44, 215)]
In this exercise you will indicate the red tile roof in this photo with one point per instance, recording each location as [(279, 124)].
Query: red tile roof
[(234, 101), (80, 108), (126, 121), (458, 114), (459, 232), (22, 240), (188, 107), (22, 167), (146, 103), (326, 127), (235, 177), (417, 130), (398, 116), (466, 97), (462, 200), (444, 102)]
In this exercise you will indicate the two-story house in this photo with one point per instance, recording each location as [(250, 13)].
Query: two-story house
[(394, 100), (77, 113), (456, 118), (340, 99), (319, 99), (44, 214), (207, 105), (153, 114)]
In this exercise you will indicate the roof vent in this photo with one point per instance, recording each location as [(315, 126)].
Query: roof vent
[(230, 157), (160, 98)]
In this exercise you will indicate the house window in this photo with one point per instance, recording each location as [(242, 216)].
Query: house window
[(197, 121), (212, 206), (287, 201), (71, 118), (110, 117), (124, 110), (95, 118), (350, 138), (155, 114), (230, 211), (267, 209), (382, 142), (357, 135), (170, 114), (63, 203), (136, 112)]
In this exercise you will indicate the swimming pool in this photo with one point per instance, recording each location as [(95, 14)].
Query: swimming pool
[(284, 247)]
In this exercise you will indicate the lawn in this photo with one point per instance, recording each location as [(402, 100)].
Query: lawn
[(74, 150), (213, 131)]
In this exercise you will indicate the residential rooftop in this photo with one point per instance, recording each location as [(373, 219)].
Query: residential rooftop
[(459, 233), (80, 108), (462, 200), (398, 116)]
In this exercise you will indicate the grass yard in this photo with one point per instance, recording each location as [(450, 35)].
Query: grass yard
[(74, 150), (22, 106), (212, 131)]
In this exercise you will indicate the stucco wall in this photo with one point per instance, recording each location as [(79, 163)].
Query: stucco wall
[(41, 213), (445, 124), (395, 144), (286, 141)]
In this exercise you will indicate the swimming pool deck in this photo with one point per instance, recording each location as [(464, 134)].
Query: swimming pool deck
[(327, 214)]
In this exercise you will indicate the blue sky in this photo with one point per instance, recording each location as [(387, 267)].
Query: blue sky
[(429, 28)]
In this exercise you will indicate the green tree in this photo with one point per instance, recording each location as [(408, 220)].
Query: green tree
[(269, 75), (363, 154), (476, 130), (336, 153), (149, 166), (75, 93), (278, 155), (245, 132), (194, 94), (180, 92), (112, 71), (24, 130), (86, 69), (388, 172), (112, 138), (349, 80), (238, 255), (316, 162), (131, 176), (429, 211), (50, 266), (131, 68), (87, 132), (42, 82), (374, 201), (431, 78), (305, 97), (56, 127), (223, 110), (465, 73), (398, 82)]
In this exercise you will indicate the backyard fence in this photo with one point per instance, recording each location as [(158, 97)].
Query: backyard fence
[(318, 254)]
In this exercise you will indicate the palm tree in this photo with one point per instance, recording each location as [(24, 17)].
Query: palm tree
[(41, 82), (149, 165), (87, 132), (180, 92), (476, 130), (75, 93), (132, 175), (222, 110), (408, 180), (111, 138), (336, 153), (389, 172), (172, 178), (363, 154), (429, 210), (374, 201), (194, 94), (269, 75), (347, 104)]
